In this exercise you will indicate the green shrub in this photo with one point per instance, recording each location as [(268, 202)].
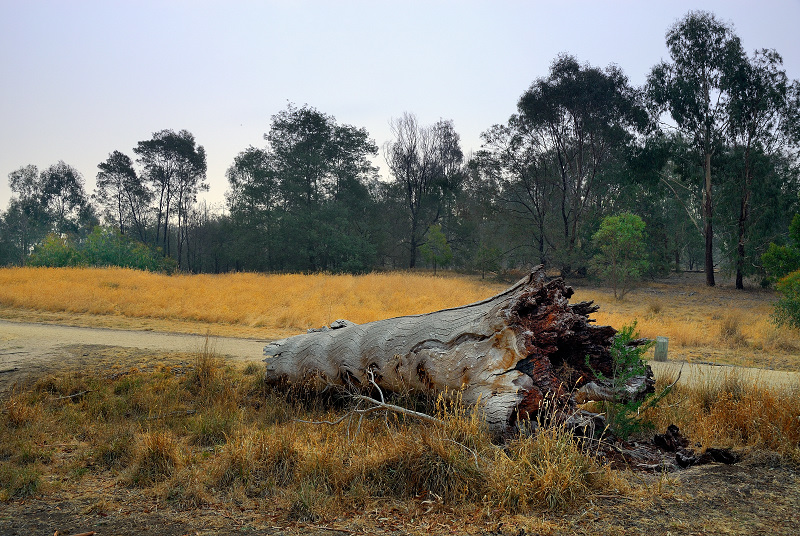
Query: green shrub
[(787, 309), (105, 246), (781, 260), (621, 258), (56, 251), (623, 416)]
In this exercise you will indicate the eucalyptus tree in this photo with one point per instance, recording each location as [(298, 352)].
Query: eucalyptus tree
[(425, 163), (123, 194), (510, 158), (254, 200), (63, 193), (692, 89), (555, 156), (26, 221), (308, 190), (49, 201), (759, 129), (175, 166), (55, 197)]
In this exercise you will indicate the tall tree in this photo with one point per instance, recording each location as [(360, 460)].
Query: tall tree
[(511, 158), (176, 167), (307, 191), (693, 90), (759, 127), (425, 163), (50, 201), (63, 192), (123, 194), (254, 200), (554, 156), (26, 221)]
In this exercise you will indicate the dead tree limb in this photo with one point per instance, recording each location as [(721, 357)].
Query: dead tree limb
[(76, 395), (506, 355)]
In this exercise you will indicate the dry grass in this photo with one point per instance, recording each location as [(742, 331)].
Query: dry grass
[(215, 433), (202, 432), (277, 305), (727, 409), (212, 434), (720, 324)]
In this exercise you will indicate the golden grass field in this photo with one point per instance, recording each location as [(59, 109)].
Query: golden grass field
[(189, 434), (719, 325), (267, 305)]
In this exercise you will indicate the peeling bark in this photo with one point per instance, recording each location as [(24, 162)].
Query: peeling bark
[(506, 355)]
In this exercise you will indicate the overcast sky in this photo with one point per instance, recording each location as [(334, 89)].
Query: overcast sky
[(80, 79)]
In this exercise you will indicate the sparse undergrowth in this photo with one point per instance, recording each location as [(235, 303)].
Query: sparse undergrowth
[(212, 433)]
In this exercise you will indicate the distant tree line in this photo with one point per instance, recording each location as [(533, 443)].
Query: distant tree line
[(705, 154)]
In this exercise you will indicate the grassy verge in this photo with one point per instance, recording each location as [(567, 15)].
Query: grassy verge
[(210, 433)]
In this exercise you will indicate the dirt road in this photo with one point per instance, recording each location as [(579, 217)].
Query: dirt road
[(27, 348), (697, 373)]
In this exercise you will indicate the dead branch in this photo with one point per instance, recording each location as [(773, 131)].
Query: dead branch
[(76, 395), (377, 405)]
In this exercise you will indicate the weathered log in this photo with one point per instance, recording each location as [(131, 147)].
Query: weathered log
[(507, 355)]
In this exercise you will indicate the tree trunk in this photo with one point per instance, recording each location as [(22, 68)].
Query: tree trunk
[(505, 355), (740, 251), (708, 212)]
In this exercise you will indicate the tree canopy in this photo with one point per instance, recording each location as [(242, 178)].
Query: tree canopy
[(704, 155)]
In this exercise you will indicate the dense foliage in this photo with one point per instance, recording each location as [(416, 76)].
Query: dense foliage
[(787, 310), (714, 188), (104, 246)]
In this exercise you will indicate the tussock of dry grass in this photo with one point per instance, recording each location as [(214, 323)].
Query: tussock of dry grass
[(726, 409), (156, 456)]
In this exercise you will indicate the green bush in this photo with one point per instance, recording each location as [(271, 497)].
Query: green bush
[(781, 260), (787, 309), (56, 251), (624, 417), (105, 246), (621, 258), (436, 250)]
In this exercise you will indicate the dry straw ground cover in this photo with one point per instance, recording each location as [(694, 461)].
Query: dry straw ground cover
[(189, 434), (270, 305)]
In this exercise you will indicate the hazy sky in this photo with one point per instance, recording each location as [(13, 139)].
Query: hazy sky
[(80, 79)]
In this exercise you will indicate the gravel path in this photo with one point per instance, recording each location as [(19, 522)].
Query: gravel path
[(27, 348)]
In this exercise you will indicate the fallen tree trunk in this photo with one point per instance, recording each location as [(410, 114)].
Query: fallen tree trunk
[(506, 355)]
